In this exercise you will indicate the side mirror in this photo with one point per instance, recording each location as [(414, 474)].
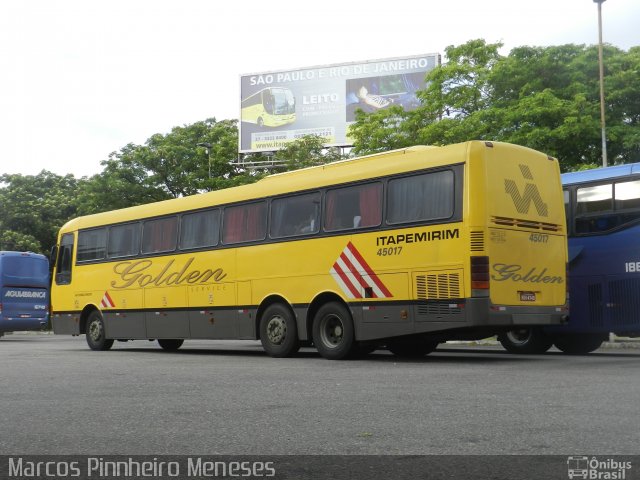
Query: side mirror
[(53, 256)]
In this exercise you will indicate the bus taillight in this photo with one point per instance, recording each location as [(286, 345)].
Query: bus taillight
[(480, 276)]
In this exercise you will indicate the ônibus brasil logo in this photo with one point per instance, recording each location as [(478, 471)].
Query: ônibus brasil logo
[(594, 468)]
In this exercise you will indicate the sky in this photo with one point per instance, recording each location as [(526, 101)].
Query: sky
[(80, 79)]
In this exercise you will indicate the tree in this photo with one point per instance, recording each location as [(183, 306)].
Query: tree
[(306, 152), (33, 208), (545, 98), (167, 166)]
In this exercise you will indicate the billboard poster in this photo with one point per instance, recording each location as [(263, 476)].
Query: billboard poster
[(280, 107)]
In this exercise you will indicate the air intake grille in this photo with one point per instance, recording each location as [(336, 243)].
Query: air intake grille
[(595, 305), (438, 308), (477, 241), (528, 224), (438, 286), (625, 303)]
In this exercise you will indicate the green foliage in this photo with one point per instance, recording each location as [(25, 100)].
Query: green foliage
[(306, 152), (167, 166), (33, 208), (546, 98)]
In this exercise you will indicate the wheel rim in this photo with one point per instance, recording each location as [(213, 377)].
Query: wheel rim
[(95, 330), (519, 337), (276, 330), (331, 331)]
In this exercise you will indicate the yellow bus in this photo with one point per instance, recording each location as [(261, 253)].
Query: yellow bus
[(270, 107), (399, 250)]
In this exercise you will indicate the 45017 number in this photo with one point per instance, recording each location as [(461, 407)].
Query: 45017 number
[(385, 252)]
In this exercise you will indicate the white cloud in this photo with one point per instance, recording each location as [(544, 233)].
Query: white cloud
[(82, 79)]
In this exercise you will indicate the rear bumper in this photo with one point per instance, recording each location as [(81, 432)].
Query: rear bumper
[(9, 324), (483, 313)]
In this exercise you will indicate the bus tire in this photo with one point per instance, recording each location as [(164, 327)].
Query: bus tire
[(170, 344), (525, 340), (333, 332), (279, 331), (578, 343), (411, 347), (95, 332)]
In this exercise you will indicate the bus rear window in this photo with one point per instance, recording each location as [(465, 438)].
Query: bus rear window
[(23, 268)]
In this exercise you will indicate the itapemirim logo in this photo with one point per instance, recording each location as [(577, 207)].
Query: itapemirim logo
[(594, 468), (531, 194)]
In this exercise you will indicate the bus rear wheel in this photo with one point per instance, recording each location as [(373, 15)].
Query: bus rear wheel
[(170, 344), (333, 333), (411, 347), (95, 333), (578, 343), (525, 340), (279, 331)]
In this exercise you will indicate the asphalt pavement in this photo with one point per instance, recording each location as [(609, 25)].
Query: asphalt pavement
[(229, 397)]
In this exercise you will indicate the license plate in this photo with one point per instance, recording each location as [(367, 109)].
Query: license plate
[(527, 296)]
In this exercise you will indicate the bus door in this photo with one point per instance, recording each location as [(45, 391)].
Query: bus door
[(64, 261)]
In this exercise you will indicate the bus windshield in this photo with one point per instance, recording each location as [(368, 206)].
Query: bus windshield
[(23, 270), (283, 102)]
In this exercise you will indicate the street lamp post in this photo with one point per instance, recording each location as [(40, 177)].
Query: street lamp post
[(208, 147), (601, 64)]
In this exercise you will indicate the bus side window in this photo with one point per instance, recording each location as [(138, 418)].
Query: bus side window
[(92, 245), (159, 235), (425, 197), (124, 240), (200, 229), (358, 206), (627, 195), (244, 223), (63, 264), (296, 215)]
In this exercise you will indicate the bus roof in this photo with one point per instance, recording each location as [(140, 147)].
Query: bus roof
[(603, 173), (343, 171), (7, 253), (340, 172)]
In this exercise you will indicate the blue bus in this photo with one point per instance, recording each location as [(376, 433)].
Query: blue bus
[(24, 291), (603, 222)]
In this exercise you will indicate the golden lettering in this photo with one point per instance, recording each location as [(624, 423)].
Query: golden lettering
[(136, 273)]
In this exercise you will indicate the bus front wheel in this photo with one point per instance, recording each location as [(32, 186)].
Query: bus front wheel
[(170, 344), (333, 333), (525, 340), (95, 333), (278, 331)]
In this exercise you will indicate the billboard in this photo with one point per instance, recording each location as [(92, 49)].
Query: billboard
[(280, 107)]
